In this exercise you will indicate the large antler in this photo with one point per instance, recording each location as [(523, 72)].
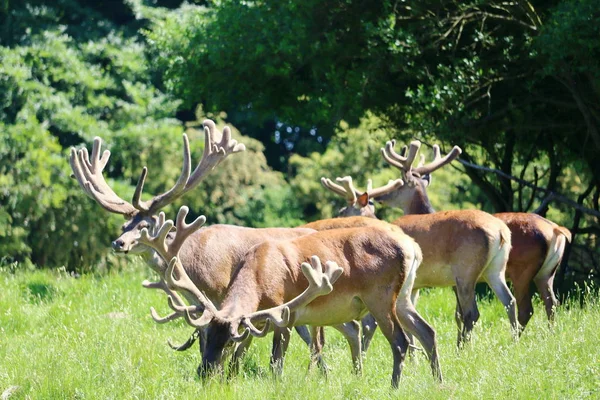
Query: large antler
[(350, 193), (438, 161), (157, 240), (168, 250), (320, 283), (346, 190), (88, 172), (217, 146), (405, 163)]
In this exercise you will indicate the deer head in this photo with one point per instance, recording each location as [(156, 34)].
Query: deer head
[(142, 214), (412, 197), (359, 203)]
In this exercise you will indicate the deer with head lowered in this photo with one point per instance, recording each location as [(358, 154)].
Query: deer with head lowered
[(537, 243), (460, 248), (373, 269), (209, 255)]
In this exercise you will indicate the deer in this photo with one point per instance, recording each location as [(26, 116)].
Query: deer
[(460, 248), (210, 255), (373, 269), (538, 244)]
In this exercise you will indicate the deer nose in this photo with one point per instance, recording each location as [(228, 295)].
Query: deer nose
[(118, 244)]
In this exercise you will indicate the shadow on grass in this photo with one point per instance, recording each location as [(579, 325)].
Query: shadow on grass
[(38, 292)]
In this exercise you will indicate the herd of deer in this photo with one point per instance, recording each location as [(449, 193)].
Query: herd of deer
[(233, 283)]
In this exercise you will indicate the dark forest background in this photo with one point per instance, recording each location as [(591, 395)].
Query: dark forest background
[(315, 88)]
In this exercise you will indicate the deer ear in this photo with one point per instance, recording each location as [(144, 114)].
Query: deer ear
[(363, 200)]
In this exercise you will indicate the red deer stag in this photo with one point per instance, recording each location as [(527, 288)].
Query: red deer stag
[(459, 248), (537, 243), (211, 254), (376, 271)]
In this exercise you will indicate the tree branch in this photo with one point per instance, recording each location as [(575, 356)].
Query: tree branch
[(555, 196)]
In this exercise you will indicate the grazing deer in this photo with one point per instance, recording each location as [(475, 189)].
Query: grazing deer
[(537, 243), (209, 255), (374, 269), (459, 248)]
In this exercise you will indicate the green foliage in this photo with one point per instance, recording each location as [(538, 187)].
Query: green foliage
[(58, 91), (46, 221), (80, 320), (243, 190)]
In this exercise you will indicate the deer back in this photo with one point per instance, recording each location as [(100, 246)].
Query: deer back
[(463, 239), (372, 258), (346, 222), (211, 255)]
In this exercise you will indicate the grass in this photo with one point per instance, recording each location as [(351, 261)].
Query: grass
[(92, 337)]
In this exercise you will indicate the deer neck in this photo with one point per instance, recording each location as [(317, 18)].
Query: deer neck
[(243, 295), (419, 203)]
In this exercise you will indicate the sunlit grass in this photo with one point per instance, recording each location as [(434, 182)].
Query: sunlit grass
[(92, 337)]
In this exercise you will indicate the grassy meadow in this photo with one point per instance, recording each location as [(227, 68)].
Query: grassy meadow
[(93, 337)]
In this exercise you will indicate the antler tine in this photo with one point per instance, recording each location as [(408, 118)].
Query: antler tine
[(334, 187), (249, 329), (88, 173), (183, 282), (169, 196), (158, 240), (175, 299), (320, 283), (184, 230), (217, 146), (389, 187), (351, 192), (438, 161), (395, 159)]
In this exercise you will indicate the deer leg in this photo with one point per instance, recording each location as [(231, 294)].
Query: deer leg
[(414, 324), (498, 285), (414, 297), (523, 298), (392, 330), (369, 326), (316, 348), (544, 285), (304, 333), (384, 312), (465, 292), (351, 331), (458, 312), (281, 340)]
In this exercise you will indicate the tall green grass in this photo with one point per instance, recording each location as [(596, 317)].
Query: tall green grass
[(92, 337)]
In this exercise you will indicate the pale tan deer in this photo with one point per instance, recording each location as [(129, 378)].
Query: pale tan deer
[(537, 243), (459, 248), (211, 254), (373, 269)]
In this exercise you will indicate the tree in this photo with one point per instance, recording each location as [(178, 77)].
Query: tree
[(514, 84)]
